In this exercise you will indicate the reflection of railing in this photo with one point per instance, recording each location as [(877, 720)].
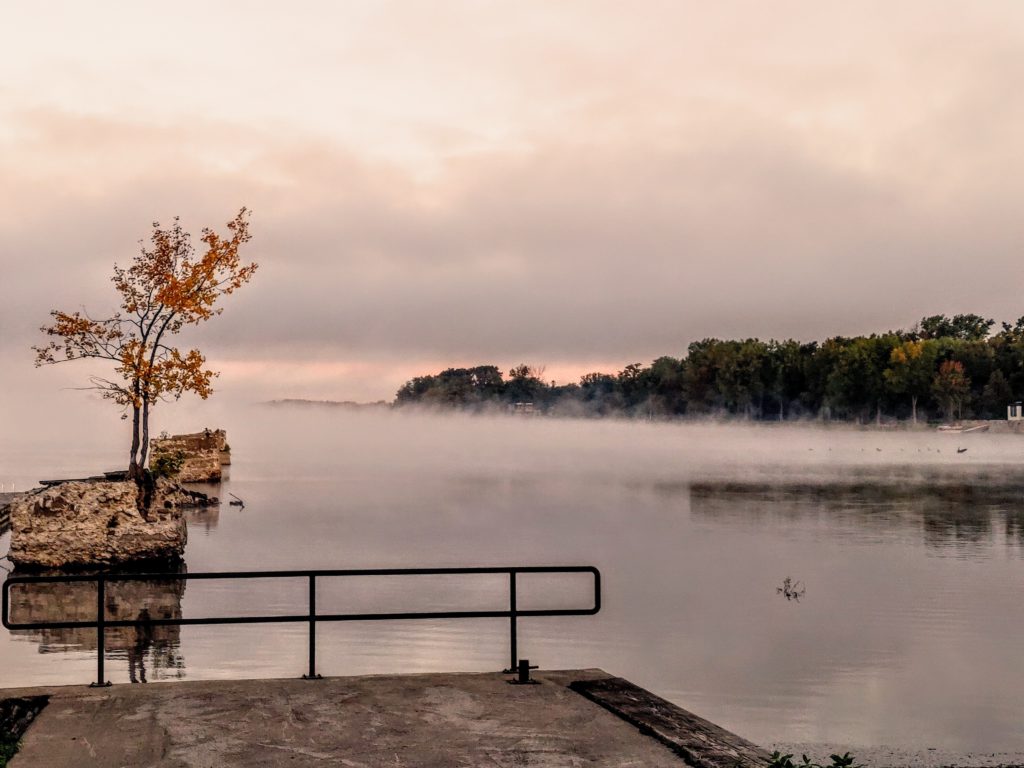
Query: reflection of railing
[(312, 617), (154, 646)]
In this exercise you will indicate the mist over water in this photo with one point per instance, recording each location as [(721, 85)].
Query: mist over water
[(907, 634)]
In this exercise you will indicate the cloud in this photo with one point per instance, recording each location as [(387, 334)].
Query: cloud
[(626, 186)]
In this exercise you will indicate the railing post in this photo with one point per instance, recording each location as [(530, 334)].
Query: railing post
[(101, 621), (312, 630), (513, 609)]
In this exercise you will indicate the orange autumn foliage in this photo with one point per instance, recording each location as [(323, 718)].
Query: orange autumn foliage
[(166, 287)]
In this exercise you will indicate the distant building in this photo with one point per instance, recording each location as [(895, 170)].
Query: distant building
[(522, 408), (1015, 411)]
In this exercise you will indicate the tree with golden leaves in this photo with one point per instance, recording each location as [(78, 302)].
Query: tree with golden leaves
[(166, 287), (910, 371)]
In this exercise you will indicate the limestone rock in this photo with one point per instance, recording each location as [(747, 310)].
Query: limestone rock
[(205, 453), (82, 523)]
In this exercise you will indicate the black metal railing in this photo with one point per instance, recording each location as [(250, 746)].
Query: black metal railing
[(311, 616)]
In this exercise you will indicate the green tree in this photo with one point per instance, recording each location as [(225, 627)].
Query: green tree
[(996, 395), (700, 376), (740, 378), (785, 374), (820, 361), (857, 383), (487, 381), (1008, 352), (599, 393), (964, 327), (633, 385), (665, 386), (415, 390), (463, 388), (950, 387), (525, 385)]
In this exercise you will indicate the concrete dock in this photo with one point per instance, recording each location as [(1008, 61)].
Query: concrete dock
[(571, 718)]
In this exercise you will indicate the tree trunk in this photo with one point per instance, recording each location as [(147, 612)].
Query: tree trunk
[(145, 434), (913, 408), (133, 465), (782, 414)]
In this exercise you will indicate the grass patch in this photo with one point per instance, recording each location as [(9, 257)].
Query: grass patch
[(16, 715), (778, 760), (8, 746)]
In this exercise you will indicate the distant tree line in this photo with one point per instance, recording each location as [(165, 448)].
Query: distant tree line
[(942, 367)]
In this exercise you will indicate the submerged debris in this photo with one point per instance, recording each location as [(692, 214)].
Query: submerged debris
[(791, 590)]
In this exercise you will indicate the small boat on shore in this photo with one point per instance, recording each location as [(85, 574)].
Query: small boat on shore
[(955, 429)]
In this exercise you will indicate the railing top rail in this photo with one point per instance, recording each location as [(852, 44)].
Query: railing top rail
[(511, 612), (300, 573)]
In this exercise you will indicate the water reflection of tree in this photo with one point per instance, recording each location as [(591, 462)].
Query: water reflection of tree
[(947, 524), (955, 516), (155, 646), (137, 653), (1014, 520)]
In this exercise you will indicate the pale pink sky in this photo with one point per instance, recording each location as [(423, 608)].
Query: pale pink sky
[(579, 185)]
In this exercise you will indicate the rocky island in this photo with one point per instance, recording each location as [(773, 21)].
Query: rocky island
[(108, 520), (86, 523)]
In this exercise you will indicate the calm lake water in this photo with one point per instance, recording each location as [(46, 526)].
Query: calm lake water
[(908, 634)]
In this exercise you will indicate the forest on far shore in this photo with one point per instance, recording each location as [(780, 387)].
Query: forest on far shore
[(943, 367)]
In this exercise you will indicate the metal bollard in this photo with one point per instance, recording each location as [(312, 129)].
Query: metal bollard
[(523, 674)]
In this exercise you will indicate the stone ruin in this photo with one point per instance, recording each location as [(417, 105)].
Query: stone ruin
[(205, 453)]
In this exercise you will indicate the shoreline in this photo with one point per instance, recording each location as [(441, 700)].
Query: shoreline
[(995, 426)]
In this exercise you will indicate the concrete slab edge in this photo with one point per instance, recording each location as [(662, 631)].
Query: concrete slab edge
[(699, 742)]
